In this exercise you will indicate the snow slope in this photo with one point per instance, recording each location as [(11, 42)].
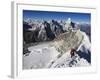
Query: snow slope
[(80, 59), (47, 54), (40, 56)]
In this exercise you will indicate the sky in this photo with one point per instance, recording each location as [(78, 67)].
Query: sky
[(49, 15)]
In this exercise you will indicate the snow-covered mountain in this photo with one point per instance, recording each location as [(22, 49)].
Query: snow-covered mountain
[(45, 55), (85, 49), (57, 53), (82, 58)]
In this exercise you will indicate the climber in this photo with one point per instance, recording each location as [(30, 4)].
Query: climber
[(72, 52), (74, 58)]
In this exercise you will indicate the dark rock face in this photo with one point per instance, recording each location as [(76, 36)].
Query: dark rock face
[(29, 36), (26, 26), (73, 24), (49, 32), (85, 53)]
